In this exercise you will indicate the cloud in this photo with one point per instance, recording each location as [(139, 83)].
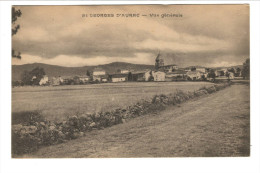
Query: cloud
[(74, 61), (205, 33)]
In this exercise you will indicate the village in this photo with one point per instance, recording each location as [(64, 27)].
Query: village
[(160, 73)]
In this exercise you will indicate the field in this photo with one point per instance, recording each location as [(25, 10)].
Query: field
[(211, 126), (56, 103)]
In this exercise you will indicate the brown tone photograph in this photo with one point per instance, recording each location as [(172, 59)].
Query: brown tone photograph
[(130, 81)]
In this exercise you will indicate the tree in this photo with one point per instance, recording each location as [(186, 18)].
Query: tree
[(238, 72), (203, 77), (37, 73), (212, 74), (227, 74), (33, 77), (88, 73), (232, 70), (26, 78), (246, 69), (130, 76), (193, 69), (15, 28)]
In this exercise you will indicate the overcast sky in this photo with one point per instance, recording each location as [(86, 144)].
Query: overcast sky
[(206, 35)]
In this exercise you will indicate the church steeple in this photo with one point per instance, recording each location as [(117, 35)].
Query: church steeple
[(158, 61)]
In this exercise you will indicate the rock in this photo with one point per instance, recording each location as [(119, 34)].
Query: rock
[(92, 124), (81, 134), (32, 129), (52, 127), (123, 120), (17, 127), (61, 135), (23, 132), (42, 123), (88, 118)]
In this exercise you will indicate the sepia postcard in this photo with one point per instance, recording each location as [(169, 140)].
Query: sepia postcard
[(130, 81)]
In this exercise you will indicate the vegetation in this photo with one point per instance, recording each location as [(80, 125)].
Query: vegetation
[(238, 71), (57, 102), (246, 69), (88, 73), (33, 77), (212, 74), (15, 28), (29, 137), (130, 76)]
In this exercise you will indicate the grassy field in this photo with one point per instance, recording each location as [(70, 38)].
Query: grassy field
[(55, 103), (211, 126)]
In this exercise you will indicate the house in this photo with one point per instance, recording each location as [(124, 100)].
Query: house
[(44, 80), (176, 75), (196, 68), (119, 77), (227, 75), (100, 75), (84, 79), (220, 72), (194, 75), (56, 81), (67, 80), (158, 76), (124, 71), (201, 69), (100, 78), (99, 71), (169, 68), (141, 75)]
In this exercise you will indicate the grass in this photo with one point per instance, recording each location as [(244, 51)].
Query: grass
[(56, 103), (26, 117), (212, 126)]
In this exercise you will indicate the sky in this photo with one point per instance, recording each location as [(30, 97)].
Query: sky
[(204, 35)]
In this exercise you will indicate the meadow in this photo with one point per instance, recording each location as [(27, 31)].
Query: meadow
[(57, 102)]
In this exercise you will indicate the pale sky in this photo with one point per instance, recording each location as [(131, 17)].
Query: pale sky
[(206, 35)]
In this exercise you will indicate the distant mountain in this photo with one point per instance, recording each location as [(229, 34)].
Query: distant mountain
[(54, 70)]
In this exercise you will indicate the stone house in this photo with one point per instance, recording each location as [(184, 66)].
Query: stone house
[(44, 80)]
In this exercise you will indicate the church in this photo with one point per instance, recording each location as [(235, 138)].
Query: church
[(159, 65)]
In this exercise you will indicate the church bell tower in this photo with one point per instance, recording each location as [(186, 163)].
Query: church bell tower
[(158, 62)]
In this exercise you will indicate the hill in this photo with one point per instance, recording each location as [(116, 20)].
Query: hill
[(54, 70)]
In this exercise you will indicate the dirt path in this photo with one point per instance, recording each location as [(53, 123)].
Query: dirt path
[(215, 125)]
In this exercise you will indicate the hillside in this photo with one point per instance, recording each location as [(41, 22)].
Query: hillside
[(54, 70)]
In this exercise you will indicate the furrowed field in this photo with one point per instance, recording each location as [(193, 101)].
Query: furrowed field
[(56, 103)]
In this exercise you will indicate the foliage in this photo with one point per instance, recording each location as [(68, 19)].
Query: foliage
[(237, 74), (212, 74), (246, 69), (33, 77), (15, 28), (203, 77), (88, 73), (193, 69), (130, 76), (232, 70)]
